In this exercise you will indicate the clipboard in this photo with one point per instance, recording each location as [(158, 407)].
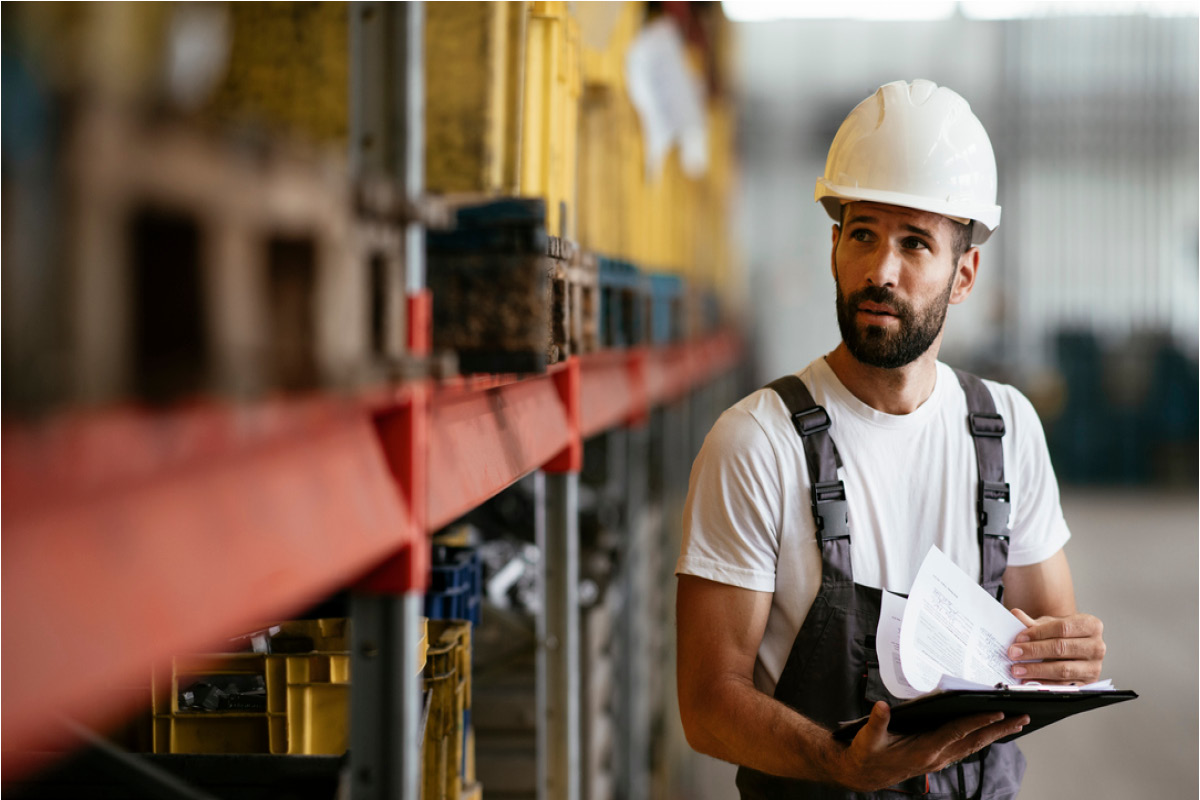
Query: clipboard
[(1044, 707)]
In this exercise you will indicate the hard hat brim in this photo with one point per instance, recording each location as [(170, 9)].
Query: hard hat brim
[(833, 197)]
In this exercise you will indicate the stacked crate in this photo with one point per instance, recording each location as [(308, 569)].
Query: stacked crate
[(624, 304), (491, 284), (455, 585), (508, 297), (454, 605), (502, 103), (286, 693), (448, 748), (209, 239), (200, 266), (303, 708), (662, 222), (531, 100), (512, 292), (475, 52)]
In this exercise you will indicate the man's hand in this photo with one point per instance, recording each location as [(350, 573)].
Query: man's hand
[(1069, 650), (877, 759)]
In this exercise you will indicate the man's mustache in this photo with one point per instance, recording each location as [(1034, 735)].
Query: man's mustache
[(881, 295)]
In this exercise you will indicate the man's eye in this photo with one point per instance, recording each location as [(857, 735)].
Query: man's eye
[(860, 235), (915, 243)]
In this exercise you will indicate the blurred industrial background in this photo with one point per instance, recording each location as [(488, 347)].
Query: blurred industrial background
[(355, 356)]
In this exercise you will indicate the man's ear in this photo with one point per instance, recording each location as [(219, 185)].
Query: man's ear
[(964, 278)]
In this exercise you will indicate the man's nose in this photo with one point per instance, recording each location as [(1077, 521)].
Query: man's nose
[(884, 269)]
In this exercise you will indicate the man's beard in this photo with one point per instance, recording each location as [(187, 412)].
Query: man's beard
[(876, 345)]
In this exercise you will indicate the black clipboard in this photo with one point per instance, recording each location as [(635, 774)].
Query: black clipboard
[(1043, 706)]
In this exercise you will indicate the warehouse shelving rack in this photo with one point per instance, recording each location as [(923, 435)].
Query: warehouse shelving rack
[(134, 534)]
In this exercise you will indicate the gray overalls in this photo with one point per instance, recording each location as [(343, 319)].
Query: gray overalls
[(831, 674)]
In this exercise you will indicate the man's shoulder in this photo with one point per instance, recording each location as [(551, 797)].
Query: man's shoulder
[(815, 377), (761, 418), (759, 412), (1011, 402)]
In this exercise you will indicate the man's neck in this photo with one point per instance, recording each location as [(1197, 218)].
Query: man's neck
[(892, 391)]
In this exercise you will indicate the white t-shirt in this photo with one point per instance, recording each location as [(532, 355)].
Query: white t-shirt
[(910, 481)]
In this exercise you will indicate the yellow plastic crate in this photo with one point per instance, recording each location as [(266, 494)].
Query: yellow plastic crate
[(288, 69), (448, 686), (502, 103), (307, 699), (450, 648), (475, 56), (599, 192), (550, 130)]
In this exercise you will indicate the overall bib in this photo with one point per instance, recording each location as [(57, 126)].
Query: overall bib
[(831, 674)]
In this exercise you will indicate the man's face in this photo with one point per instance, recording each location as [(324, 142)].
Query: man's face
[(896, 273)]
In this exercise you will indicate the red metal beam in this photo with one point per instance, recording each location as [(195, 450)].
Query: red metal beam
[(674, 370), (481, 441), (610, 393), (133, 538)]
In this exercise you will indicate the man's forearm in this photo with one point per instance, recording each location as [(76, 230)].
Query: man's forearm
[(736, 722)]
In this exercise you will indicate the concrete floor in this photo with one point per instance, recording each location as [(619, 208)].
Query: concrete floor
[(1134, 555), (1134, 558)]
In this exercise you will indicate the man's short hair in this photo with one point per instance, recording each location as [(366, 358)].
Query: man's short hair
[(960, 240)]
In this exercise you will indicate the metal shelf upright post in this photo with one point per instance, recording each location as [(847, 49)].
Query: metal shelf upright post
[(635, 618), (558, 626), (679, 448), (387, 142)]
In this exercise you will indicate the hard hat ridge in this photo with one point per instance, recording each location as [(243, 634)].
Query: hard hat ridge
[(916, 145)]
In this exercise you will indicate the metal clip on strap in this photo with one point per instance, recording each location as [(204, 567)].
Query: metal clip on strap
[(830, 510), (994, 508), (987, 425), (811, 420)]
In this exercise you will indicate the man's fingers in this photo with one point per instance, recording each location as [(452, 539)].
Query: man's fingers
[(877, 758), (1077, 637), (1076, 649), (956, 740), (984, 736), (875, 732), (960, 729), (1059, 671), (1076, 626), (1025, 619)]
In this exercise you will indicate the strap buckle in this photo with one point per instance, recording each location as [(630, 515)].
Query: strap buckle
[(811, 420), (988, 425), (994, 497), (830, 510)]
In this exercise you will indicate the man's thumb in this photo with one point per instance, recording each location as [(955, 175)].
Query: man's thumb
[(877, 724)]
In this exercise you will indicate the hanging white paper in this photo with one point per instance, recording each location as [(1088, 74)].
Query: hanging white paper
[(669, 98)]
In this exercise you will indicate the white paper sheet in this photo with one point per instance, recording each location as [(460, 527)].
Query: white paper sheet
[(887, 646), (669, 98), (952, 626)]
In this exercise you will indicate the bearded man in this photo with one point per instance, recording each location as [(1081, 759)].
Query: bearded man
[(811, 496)]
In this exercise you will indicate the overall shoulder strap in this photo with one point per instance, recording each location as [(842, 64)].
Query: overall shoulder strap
[(992, 496), (828, 493)]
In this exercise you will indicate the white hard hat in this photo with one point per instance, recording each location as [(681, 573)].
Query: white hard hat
[(915, 145)]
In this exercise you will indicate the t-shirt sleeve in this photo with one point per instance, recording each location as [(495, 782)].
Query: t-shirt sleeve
[(1039, 529), (731, 516)]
